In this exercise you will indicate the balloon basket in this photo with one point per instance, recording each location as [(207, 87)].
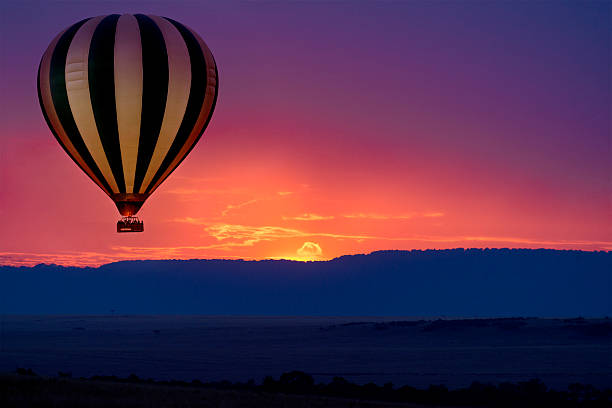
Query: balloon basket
[(130, 224)]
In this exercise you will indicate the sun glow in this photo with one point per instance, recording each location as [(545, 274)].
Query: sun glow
[(294, 258), (308, 252), (445, 157)]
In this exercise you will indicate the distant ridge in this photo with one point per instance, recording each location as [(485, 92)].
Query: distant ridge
[(452, 282)]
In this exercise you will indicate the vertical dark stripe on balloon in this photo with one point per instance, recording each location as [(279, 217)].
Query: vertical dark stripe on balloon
[(154, 93), (212, 109), (101, 64), (194, 103), (210, 113), (59, 94), (59, 140)]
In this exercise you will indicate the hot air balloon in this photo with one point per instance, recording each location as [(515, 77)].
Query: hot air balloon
[(127, 97)]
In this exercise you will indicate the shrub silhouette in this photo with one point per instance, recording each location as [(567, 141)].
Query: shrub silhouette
[(296, 381), (23, 371), (532, 393)]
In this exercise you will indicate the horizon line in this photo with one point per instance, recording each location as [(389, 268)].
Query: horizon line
[(282, 259)]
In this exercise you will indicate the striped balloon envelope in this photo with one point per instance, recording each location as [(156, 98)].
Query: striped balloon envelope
[(127, 97)]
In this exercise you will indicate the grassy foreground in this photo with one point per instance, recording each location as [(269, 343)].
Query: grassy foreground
[(33, 391), (294, 389)]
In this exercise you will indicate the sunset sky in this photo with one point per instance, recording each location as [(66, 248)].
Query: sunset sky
[(340, 128)]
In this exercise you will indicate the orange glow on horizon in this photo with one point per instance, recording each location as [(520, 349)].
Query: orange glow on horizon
[(336, 141), (276, 211)]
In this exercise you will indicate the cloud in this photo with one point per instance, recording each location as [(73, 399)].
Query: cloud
[(380, 216), (310, 249), (245, 232), (230, 237), (60, 258), (252, 234), (198, 180), (231, 207), (192, 220), (185, 191), (408, 216), (248, 235), (181, 191), (604, 245), (199, 193), (240, 205), (309, 217)]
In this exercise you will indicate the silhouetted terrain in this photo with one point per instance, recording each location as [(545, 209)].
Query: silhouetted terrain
[(292, 389), (380, 350), (27, 392), (474, 282)]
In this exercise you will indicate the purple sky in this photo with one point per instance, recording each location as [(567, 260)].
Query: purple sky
[(493, 115)]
